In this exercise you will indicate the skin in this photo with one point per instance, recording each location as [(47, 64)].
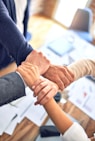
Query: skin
[(44, 89), (43, 95), (63, 76), (59, 75), (41, 86), (38, 59), (54, 111), (29, 72)]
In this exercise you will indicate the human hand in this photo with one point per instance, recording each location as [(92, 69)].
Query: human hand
[(29, 73), (38, 59), (92, 138), (44, 89), (60, 75)]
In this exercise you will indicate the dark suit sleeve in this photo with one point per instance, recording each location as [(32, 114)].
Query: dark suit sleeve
[(11, 38), (11, 88)]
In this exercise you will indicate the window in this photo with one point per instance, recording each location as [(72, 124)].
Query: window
[(66, 10)]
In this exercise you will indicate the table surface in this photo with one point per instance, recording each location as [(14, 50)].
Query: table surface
[(87, 123), (25, 131), (28, 131)]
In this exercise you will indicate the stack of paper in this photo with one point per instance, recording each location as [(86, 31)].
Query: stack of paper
[(13, 113)]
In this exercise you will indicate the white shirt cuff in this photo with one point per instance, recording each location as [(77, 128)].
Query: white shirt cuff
[(75, 133)]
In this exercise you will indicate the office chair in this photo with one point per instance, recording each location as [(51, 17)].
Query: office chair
[(81, 23)]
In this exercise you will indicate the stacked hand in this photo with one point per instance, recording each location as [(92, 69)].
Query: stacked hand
[(59, 75), (44, 89), (38, 59), (29, 72)]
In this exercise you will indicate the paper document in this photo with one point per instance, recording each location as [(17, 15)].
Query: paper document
[(36, 114), (83, 96), (7, 113)]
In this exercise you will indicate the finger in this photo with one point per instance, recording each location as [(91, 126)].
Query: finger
[(65, 76), (66, 79), (48, 92), (70, 74), (59, 82), (37, 83), (39, 87), (46, 98), (43, 92)]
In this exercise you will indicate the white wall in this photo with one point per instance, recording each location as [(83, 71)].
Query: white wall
[(66, 10)]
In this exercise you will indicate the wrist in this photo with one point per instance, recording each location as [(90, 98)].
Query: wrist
[(21, 78)]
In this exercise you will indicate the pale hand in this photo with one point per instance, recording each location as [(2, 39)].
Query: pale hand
[(38, 59), (44, 89), (29, 73)]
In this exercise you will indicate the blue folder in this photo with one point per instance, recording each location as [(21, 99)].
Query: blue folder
[(60, 46)]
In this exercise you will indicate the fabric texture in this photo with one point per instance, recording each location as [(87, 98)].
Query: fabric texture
[(11, 88), (10, 5), (20, 10), (75, 133), (83, 67), (12, 44)]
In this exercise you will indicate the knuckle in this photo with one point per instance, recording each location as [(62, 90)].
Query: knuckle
[(41, 85), (47, 97)]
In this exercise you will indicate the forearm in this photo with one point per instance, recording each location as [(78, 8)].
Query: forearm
[(11, 38), (57, 115), (82, 67)]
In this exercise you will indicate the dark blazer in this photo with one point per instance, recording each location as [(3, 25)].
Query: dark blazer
[(11, 88), (12, 42), (10, 5), (26, 18)]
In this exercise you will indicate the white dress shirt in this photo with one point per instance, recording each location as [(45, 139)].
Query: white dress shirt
[(20, 9)]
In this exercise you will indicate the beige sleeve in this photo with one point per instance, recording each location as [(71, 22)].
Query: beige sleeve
[(82, 68)]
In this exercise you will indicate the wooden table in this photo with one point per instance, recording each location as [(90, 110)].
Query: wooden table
[(25, 131), (28, 131), (87, 123)]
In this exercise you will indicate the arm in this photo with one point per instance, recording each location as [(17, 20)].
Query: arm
[(15, 43), (82, 68), (11, 38), (11, 88), (12, 85), (59, 75), (69, 130), (66, 75), (58, 116)]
